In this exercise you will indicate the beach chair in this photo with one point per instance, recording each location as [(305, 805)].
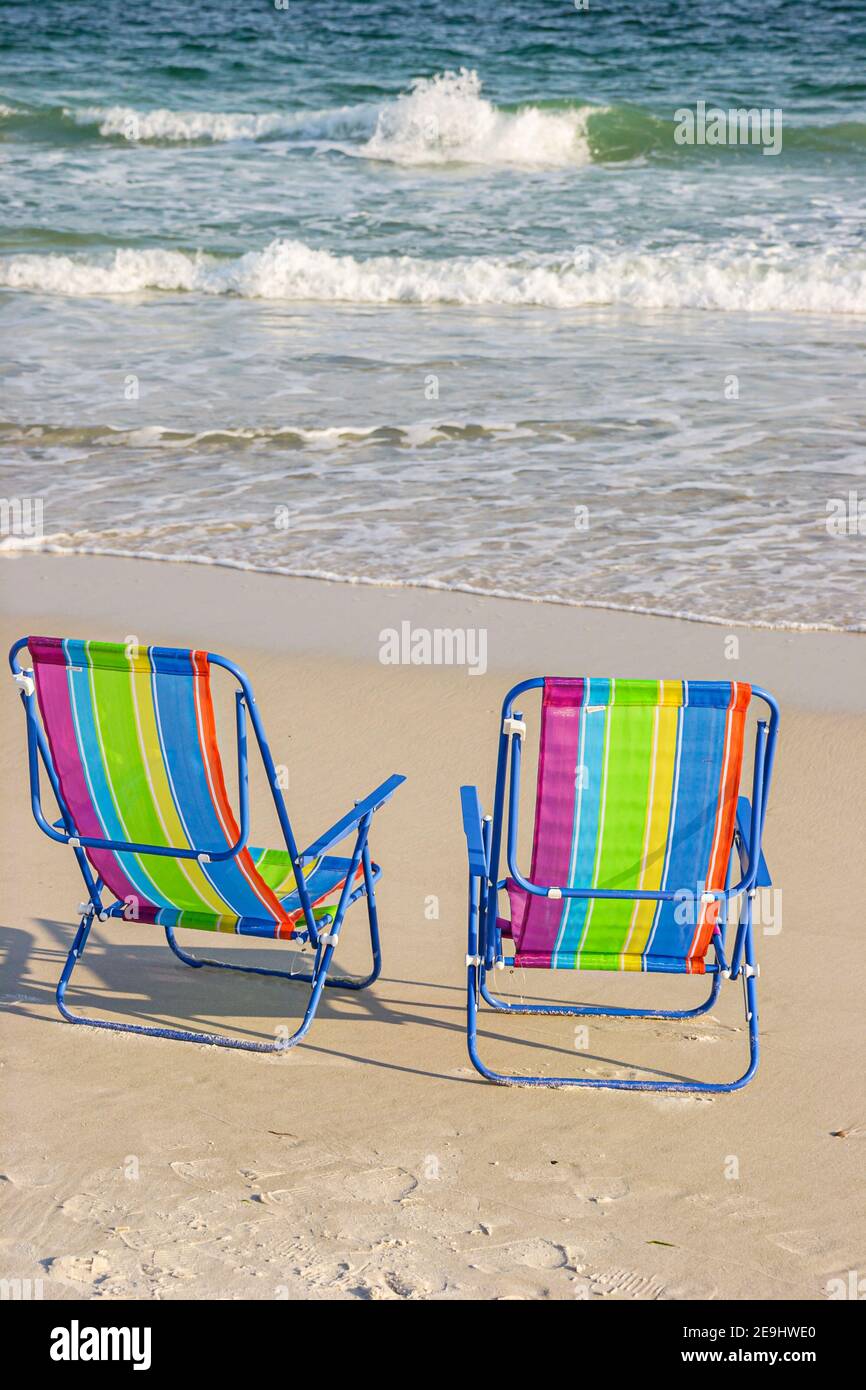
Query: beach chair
[(128, 739), (638, 828)]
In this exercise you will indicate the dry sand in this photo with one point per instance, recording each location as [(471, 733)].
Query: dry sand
[(373, 1162)]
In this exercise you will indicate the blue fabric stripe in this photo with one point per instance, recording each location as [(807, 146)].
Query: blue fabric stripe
[(672, 814)]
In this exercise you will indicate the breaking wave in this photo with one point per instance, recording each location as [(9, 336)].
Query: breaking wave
[(684, 277)]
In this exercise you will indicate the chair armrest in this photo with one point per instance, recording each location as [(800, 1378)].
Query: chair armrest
[(471, 808), (744, 826), (341, 828)]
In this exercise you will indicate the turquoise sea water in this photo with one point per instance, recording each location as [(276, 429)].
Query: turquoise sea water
[(432, 294)]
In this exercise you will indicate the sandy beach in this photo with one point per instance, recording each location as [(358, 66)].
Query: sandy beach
[(373, 1162)]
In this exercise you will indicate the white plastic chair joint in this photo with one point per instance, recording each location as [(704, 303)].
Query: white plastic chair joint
[(751, 970), (473, 960), (24, 679), (74, 842), (203, 858), (708, 897), (554, 892), (514, 726)]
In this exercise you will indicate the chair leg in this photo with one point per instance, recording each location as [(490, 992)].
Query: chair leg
[(475, 989), (184, 1034), (373, 920)]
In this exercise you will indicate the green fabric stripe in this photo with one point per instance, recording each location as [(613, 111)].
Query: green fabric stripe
[(277, 871), (629, 692)]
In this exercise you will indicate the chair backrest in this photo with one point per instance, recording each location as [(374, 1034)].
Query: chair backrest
[(133, 740), (637, 788)]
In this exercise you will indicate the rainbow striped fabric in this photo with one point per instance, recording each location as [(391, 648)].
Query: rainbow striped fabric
[(133, 740), (637, 788)]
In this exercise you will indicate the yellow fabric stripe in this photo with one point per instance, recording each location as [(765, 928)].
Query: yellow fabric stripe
[(658, 817)]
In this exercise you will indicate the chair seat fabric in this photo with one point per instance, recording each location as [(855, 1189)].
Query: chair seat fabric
[(637, 789)]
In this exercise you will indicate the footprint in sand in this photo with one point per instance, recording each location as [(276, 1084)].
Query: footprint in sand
[(804, 1242), (380, 1185), (79, 1207), (391, 1285), (526, 1254), (545, 1173), (80, 1269), (601, 1191), (275, 1197), (255, 1176), (201, 1170), (165, 1272), (626, 1283)]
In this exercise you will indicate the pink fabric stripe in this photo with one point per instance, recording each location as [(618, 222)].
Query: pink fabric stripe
[(538, 925), (52, 690)]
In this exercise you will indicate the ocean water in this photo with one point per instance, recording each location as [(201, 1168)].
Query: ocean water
[(432, 294)]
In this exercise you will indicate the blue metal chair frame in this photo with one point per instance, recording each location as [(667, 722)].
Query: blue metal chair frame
[(484, 835), (324, 942)]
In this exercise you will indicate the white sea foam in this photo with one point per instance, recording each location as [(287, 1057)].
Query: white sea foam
[(219, 126), (414, 436), (445, 119), (680, 278), (127, 272)]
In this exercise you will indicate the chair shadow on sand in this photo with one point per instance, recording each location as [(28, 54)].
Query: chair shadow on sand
[(147, 984)]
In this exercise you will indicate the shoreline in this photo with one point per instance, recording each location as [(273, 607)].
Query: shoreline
[(367, 581)]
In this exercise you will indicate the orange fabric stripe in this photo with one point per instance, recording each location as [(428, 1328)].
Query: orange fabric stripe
[(726, 812)]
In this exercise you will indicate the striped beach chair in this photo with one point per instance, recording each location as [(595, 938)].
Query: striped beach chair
[(638, 827), (127, 736)]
